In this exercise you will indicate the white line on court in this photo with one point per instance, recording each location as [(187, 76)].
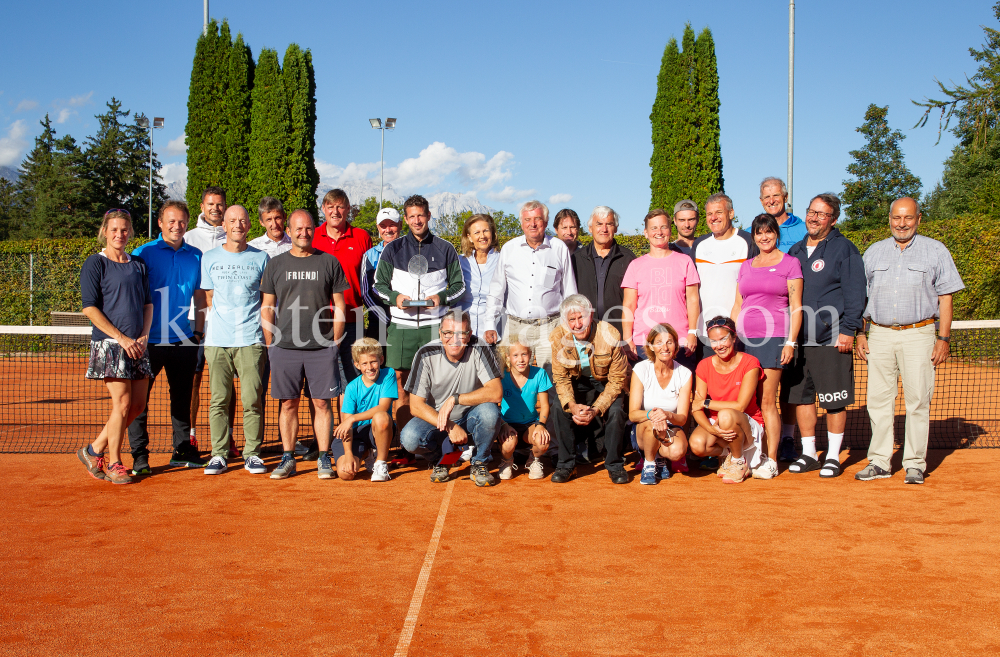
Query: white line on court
[(410, 623)]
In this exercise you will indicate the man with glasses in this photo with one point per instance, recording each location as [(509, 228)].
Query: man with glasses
[(833, 298), (454, 388), (774, 198)]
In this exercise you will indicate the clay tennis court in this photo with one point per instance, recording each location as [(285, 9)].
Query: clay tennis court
[(237, 564)]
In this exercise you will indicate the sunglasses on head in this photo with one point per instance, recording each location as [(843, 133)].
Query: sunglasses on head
[(118, 210), (720, 322)]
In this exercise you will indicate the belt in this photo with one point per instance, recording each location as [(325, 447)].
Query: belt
[(900, 327), (534, 322)]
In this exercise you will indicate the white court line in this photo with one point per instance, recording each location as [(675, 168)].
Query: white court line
[(410, 623)]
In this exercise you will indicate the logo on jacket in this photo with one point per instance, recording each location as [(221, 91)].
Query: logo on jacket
[(818, 265)]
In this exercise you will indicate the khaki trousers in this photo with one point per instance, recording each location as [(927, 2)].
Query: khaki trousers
[(248, 363), (535, 336), (905, 354)]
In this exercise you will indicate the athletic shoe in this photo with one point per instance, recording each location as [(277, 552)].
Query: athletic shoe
[(768, 469), (300, 448), (370, 460), (914, 476), (216, 465), (648, 477), (724, 468), (324, 467), (439, 473), (680, 465), (786, 449), (186, 456), (709, 463), (140, 465), (286, 468), (117, 475), (507, 468), (94, 464), (640, 464), (254, 465), (873, 472), (535, 468), (737, 472), (380, 471), (618, 475), (467, 453), (661, 467), (481, 475), (312, 452), (562, 475)]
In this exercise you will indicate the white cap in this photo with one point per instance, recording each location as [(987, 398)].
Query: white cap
[(387, 214)]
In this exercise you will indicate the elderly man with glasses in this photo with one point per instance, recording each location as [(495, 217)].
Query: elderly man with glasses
[(454, 388)]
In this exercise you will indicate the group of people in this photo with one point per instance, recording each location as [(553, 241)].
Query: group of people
[(546, 345)]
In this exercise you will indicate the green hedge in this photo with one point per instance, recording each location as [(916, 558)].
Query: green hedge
[(974, 243)]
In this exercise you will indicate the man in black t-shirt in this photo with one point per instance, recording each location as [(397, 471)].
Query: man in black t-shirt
[(303, 313)]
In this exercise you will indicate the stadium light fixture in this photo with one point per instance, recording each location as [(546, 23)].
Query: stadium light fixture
[(376, 123), (390, 124)]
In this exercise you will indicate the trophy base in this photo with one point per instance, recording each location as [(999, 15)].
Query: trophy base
[(417, 304)]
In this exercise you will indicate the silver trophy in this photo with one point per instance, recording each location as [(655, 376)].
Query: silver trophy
[(417, 267)]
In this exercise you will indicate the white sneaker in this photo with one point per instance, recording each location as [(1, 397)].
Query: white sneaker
[(380, 471), (535, 468), (300, 449), (467, 453), (370, 461), (254, 465), (507, 468), (768, 469)]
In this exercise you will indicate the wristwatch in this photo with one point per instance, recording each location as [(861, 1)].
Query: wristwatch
[(455, 397), (708, 400), (945, 338)]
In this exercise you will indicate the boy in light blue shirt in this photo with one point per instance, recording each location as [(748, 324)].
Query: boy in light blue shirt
[(366, 428)]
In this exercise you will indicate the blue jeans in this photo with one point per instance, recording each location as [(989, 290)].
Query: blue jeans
[(481, 422)]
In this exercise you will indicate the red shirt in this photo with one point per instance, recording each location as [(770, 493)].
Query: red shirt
[(349, 251), (726, 387)]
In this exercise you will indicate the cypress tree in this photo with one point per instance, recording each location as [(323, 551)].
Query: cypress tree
[(663, 187), (204, 131), (270, 127), (236, 112), (707, 112), (300, 87)]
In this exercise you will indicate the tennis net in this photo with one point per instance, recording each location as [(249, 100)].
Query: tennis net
[(48, 406)]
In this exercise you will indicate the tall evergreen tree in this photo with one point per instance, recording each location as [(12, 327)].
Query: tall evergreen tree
[(707, 117), (237, 131), (8, 208), (663, 185), (270, 127), (300, 86), (880, 175)]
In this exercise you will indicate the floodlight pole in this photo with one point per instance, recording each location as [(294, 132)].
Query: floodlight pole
[(150, 235), (204, 29), (381, 158), (791, 91)]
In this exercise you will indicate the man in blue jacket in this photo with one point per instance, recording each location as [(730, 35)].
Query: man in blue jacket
[(833, 300), (774, 198)]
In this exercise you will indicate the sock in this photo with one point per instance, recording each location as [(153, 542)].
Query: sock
[(835, 440), (379, 461), (90, 450), (809, 446), (649, 465), (739, 461), (787, 430), (289, 455), (192, 432)]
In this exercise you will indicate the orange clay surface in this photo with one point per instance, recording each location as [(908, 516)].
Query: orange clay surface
[(184, 564)]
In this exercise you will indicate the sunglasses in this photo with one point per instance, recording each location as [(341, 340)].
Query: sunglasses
[(720, 322), (118, 210)]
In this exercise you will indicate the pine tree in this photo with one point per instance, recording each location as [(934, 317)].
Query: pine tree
[(270, 127), (8, 208), (880, 175), (300, 86), (204, 133), (236, 111)]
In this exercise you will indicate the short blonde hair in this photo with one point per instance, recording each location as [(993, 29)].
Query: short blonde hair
[(503, 351), (108, 216), (467, 247), (366, 347), (656, 332)]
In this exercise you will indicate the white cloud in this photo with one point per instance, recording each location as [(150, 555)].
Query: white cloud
[(14, 144), (80, 101), (177, 146), (174, 173), (559, 199), (508, 194), (25, 105), (64, 115)]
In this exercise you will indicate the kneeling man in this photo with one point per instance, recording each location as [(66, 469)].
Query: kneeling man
[(455, 390), (589, 370)]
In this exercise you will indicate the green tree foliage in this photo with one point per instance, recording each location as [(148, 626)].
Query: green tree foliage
[(270, 127), (53, 194), (687, 151), (236, 129), (302, 178), (879, 174), (205, 132), (8, 208), (363, 215)]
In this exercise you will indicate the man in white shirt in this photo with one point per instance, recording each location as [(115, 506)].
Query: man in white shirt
[(534, 275), (275, 240)]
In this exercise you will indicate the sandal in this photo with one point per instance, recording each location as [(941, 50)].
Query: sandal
[(804, 464), (831, 464)]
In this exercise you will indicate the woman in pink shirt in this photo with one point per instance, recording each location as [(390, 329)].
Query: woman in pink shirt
[(768, 316), (661, 287)]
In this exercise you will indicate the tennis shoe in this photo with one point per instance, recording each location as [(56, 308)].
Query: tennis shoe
[(914, 476), (786, 450), (737, 473), (439, 473), (254, 465), (370, 460), (216, 465), (140, 465), (380, 471), (481, 475), (94, 464), (662, 466), (872, 471), (117, 474), (648, 477), (324, 466), (186, 456), (535, 468), (301, 449), (507, 468), (709, 463), (724, 468), (285, 469), (680, 465), (766, 470)]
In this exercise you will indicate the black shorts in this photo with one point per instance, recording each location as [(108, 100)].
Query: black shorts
[(361, 442), (767, 351), (820, 374), (315, 368), (522, 431)]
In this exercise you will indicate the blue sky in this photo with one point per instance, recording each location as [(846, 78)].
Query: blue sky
[(513, 100)]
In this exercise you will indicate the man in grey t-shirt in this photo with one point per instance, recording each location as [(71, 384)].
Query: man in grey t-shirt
[(304, 288), (454, 390)]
